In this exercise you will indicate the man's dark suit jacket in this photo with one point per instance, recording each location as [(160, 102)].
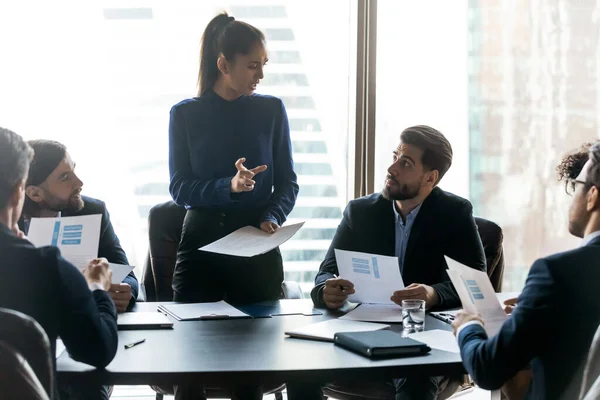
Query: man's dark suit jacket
[(40, 283), (551, 328), (110, 247), (443, 226)]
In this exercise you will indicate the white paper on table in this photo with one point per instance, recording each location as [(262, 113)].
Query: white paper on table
[(77, 238), (326, 330), (437, 339), (250, 241), (375, 277), (375, 313), (477, 294), (119, 272)]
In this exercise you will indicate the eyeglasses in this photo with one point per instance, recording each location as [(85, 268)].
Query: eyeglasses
[(571, 186)]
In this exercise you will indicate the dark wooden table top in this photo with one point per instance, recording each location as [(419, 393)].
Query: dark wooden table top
[(244, 351)]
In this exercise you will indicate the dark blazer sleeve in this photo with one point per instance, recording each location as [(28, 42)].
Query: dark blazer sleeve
[(493, 361), (88, 320), (465, 247), (110, 248), (343, 239)]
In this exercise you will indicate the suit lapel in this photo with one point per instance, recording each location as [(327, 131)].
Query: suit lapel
[(385, 238)]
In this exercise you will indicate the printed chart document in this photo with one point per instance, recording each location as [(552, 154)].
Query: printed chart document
[(391, 313), (77, 238), (437, 339), (477, 294), (250, 241), (119, 272), (375, 277), (326, 330)]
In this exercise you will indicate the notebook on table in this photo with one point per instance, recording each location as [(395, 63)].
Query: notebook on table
[(380, 344), (326, 330), (143, 320)]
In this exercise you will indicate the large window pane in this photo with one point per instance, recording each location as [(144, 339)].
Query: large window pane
[(102, 76), (513, 85), (533, 95)]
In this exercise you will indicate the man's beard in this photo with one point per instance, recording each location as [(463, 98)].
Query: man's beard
[(400, 191), (59, 205)]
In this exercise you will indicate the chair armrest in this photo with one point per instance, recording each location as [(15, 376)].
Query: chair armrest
[(291, 290)]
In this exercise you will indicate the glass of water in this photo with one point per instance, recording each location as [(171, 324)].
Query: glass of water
[(413, 315)]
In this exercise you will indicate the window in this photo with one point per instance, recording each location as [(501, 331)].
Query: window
[(513, 87), (102, 79)]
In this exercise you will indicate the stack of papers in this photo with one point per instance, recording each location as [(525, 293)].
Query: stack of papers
[(250, 241), (78, 239), (202, 311), (477, 294), (326, 330)]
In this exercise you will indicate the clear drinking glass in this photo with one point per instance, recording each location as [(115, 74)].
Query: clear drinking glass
[(413, 315)]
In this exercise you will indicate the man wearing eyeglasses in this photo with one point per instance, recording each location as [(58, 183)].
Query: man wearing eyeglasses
[(558, 311)]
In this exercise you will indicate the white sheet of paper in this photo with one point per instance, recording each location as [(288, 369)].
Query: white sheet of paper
[(437, 339), (77, 238), (326, 330), (119, 272), (194, 311), (250, 241), (60, 347), (477, 294), (375, 313), (375, 277)]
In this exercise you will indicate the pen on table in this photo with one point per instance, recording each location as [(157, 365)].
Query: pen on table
[(130, 345)]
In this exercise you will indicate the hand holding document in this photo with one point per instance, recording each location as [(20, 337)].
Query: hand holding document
[(375, 277), (77, 238), (250, 241), (477, 294)]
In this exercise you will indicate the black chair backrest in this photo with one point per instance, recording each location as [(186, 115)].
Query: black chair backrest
[(590, 387), (17, 379), (491, 237), (165, 222), (28, 338)]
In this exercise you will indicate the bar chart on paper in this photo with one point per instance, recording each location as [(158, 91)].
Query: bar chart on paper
[(375, 277)]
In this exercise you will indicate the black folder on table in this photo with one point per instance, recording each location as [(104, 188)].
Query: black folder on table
[(380, 344)]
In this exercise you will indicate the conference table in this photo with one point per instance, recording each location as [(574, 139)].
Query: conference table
[(238, 351)]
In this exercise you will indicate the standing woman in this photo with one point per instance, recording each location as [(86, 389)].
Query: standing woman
[(230, 162)]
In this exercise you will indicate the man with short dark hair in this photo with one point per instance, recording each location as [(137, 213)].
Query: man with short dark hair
[(53, 189), (558, 312), (415, 221), (40, 283)]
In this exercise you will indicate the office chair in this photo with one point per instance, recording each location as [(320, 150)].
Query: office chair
[(590, 387), (29, 340), (17, 378)]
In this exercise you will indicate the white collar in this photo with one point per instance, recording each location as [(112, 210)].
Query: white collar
[(589, 237)]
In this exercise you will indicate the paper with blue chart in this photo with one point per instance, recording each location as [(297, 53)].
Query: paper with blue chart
[(77, 238), (477, 294), (375, 277)]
